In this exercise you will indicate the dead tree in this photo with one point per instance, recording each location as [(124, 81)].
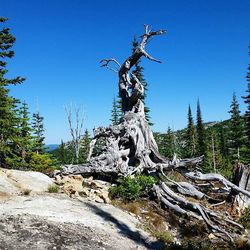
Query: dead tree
[(75, 120), (241, 178), (130, 149)]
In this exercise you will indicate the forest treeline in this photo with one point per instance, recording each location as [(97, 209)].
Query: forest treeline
[(22, 134)]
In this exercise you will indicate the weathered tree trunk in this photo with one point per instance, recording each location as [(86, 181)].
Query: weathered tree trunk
[(130, 148), (242, 179)]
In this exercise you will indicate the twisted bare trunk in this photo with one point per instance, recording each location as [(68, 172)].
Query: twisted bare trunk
[(130, 149)]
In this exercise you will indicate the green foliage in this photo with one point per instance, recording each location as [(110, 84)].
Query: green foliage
[(236, 130), (61, 153), (65, 152), (222, 131), (245, 218), (168, 147), (213, 159), (196, 244), (84, 150), (132, 188), (38, 130), (115, 112), (24, 138), (53, 188), (165, 236), (8, 116), (201, 136), (41, 162), (247, 114), (190, 136)]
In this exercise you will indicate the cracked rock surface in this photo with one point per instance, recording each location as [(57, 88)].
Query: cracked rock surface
[(54, 221)]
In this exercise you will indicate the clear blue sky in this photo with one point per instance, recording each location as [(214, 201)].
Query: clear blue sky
[(60, 43)]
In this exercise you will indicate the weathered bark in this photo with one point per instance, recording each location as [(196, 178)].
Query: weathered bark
[(130, 148), (242, 180)]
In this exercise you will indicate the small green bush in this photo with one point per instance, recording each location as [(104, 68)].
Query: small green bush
[(245, 218), (132, 188), (53, 188), (41, 162)]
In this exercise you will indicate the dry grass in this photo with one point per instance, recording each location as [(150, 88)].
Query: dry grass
[(132, 207), (151, 220), (53, 188)]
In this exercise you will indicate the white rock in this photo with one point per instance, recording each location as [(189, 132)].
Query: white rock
[(16, 181)]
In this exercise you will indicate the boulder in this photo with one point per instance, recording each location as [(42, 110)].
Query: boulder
[(14, 182)]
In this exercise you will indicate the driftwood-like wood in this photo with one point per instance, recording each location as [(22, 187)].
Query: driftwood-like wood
[(242, 180), (130, 148)]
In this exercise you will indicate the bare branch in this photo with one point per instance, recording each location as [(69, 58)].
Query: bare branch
[(106, 62), (75, 126)]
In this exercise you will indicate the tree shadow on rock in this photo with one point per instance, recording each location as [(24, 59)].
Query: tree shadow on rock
[(125, 230)]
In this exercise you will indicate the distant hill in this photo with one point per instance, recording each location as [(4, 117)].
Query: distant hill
[(51, 147)]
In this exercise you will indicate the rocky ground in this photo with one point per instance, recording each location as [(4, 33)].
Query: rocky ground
[(32, 218)]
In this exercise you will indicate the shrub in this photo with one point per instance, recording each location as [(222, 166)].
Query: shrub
[(165, 236), (53, 188), (132, 188), (41, 162)]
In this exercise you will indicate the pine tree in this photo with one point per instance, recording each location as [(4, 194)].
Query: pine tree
[(201, 137), (223, 141), (236, 130), (8, 131), (38, 131), (115, 114), (24, 132), (247, 115), (138, 72), (190, 136), (61, 153), (169, 144), (213, 159), (84, 152)]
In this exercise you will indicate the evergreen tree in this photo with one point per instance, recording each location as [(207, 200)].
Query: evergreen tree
[(115, 114), (8, 120), (201, 138), (247, 115), (213, 159), (190, 136), (61, 153), (169, 144), (178, 145), (223, 141), (236, 130), (38, 131), (25, 132), (85, 147), (138, 72)]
